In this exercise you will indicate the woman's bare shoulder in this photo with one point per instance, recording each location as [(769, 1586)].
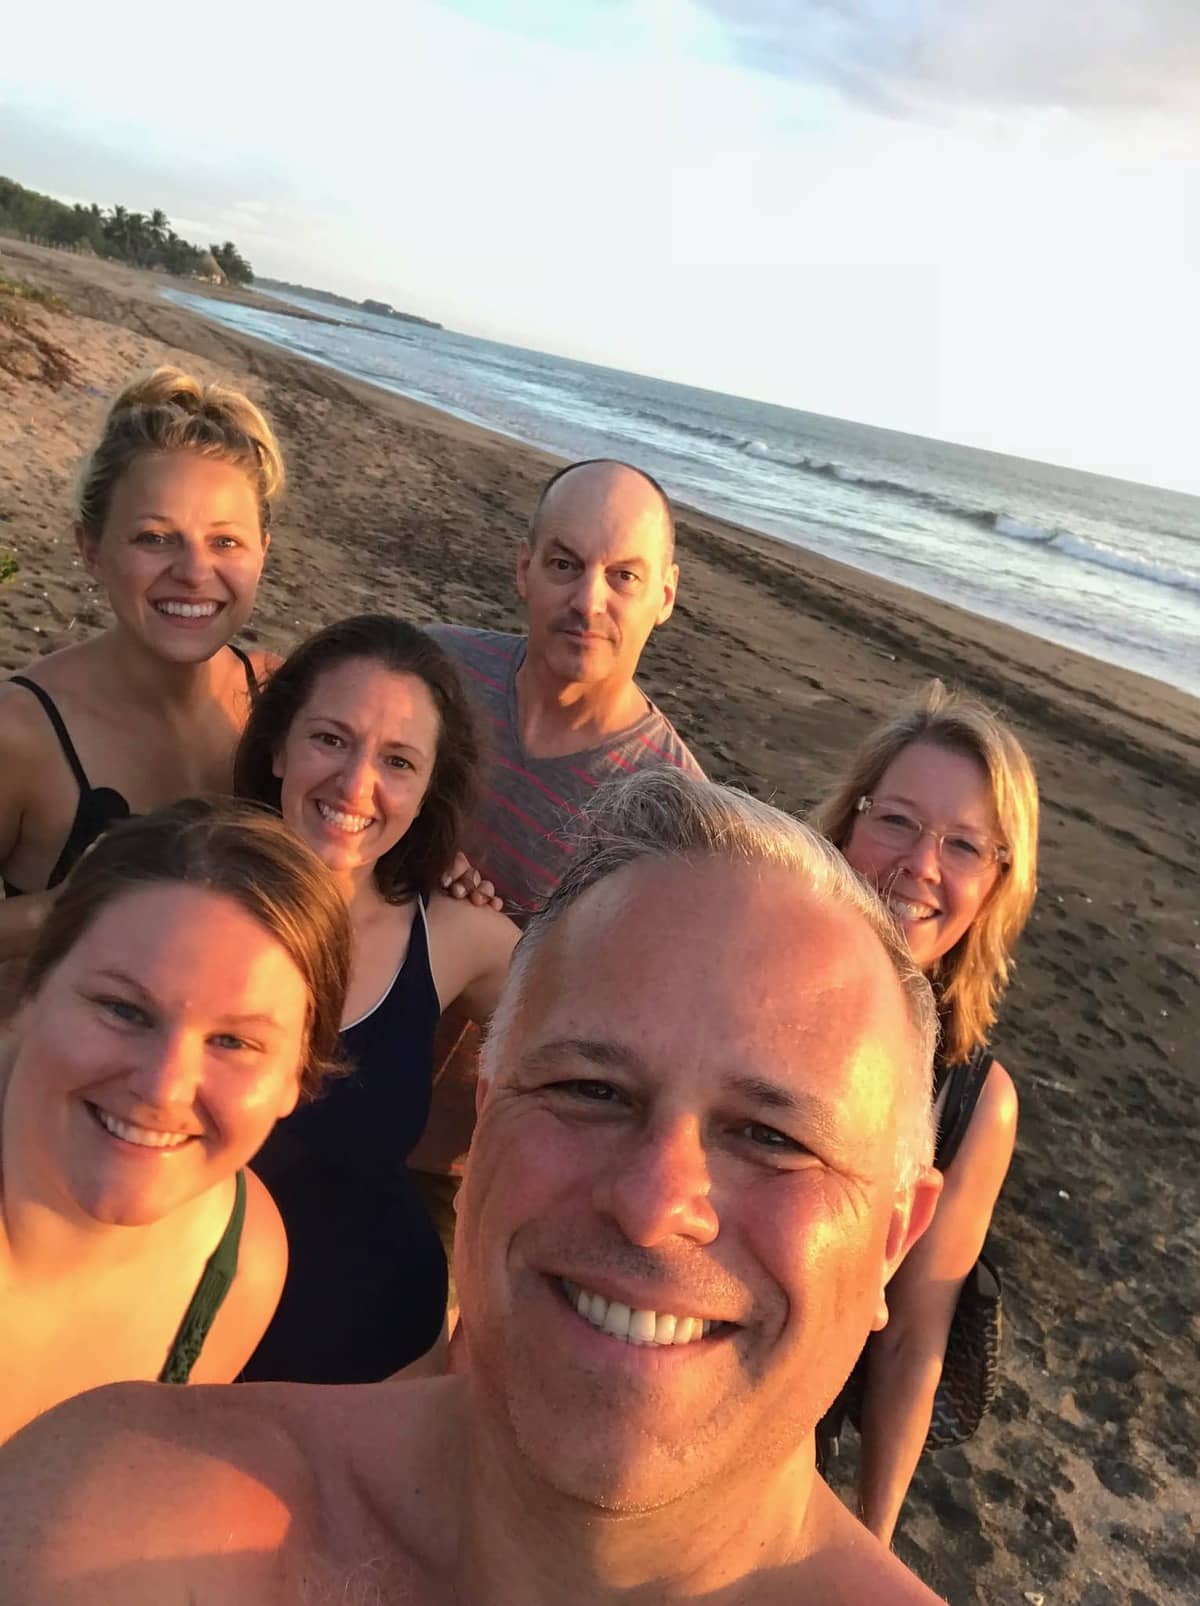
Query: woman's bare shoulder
[(254, 1295)]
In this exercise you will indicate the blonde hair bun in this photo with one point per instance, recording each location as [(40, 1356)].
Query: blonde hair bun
[(168, 410)]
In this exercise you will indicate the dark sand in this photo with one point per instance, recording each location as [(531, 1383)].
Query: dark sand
[(1081, 1490)]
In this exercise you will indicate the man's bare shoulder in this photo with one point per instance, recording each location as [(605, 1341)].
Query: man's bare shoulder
[(111, 1489), (211, 1494), (849, 1566)]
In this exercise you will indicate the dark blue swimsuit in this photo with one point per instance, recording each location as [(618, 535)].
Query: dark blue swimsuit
[(367, 1277)]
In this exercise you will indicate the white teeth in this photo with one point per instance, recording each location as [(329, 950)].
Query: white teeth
[(911, 911), (344, 822), (145, 1137), (643, 1326), (636, 1326), (188, 610), (616, 1319)]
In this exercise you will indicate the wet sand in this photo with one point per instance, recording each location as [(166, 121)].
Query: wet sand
[(1081, 1489)]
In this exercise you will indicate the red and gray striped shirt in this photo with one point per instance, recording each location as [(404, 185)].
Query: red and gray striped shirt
[(521, 836)]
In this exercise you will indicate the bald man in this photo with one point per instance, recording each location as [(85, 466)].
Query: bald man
[(563, 709), (562, 712)]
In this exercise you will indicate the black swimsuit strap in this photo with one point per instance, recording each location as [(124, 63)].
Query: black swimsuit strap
[(60, 729), (252, 685)]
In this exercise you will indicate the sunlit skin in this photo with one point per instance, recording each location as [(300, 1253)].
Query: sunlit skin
[(945, 790), (720, 1145), (181, 528), (363, 748), (596, 580), (175, 1012), (675, 1127)]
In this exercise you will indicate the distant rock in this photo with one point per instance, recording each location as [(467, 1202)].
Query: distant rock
[(379, 309)]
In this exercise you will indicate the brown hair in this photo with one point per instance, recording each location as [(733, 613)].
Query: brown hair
[(169, 411), (415, 864), (970, 980), (242, 853)]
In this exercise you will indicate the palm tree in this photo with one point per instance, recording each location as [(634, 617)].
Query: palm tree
[(159, 227), (116, 230), (138, 234)]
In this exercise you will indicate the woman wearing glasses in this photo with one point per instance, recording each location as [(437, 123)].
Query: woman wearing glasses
[(939, 811)]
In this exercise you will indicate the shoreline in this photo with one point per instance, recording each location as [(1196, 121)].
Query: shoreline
[(1081, 1485), (791, 541)]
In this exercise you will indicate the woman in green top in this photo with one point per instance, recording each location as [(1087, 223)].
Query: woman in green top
[(184, 994)]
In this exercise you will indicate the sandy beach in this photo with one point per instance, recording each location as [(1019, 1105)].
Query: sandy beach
[(1081, 1489)]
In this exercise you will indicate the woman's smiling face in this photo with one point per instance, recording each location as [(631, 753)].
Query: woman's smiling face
[(357, 761), (932, 893), (181, 553), (154, 1059)]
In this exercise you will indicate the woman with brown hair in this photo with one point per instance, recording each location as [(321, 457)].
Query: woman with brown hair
[(939, 811), (365, 742), (172, 521), (184, 993)]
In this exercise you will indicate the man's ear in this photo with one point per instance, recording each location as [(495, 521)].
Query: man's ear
[(911, 1215), (482, 1088), (524, 559), (670, 590)]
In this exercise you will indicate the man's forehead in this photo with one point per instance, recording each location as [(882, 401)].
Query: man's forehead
[(605, 504), (739, 950)]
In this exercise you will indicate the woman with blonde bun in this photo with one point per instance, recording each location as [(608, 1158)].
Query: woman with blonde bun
[(172, 521)]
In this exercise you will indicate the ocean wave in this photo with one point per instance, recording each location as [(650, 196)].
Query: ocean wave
[(1096, 554), (827, 469), (1103, 557), (1064, 542)]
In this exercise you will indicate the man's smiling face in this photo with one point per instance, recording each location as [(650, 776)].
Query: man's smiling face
[(681, 1208)]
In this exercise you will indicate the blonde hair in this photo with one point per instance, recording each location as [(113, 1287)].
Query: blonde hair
[(170, 411), (663, 814), (970, 980)]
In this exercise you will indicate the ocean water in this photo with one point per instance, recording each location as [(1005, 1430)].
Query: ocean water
[(1102, 565)]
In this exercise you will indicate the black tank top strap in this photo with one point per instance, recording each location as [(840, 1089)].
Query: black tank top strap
[(252, 685), (60, 730), (963, 1083), (98, 806)]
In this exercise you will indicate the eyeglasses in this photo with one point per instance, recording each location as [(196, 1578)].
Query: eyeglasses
[(961, 849)]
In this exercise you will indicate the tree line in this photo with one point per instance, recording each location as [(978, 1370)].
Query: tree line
[(144, 241)]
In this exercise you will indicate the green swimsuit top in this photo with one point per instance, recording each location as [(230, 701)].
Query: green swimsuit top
[(214, 1284)]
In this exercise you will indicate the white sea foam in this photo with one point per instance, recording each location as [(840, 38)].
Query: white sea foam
[(1019, 530), (1163, 574)]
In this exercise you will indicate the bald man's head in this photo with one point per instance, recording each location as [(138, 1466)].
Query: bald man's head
[(597, 573), (605, 480)]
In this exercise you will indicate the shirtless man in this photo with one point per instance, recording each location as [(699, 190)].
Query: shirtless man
[(702, 1150)]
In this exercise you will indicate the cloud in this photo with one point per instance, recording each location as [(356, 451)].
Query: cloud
[(1140, 56)]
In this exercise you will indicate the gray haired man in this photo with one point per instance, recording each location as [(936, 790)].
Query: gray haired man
[(702, 1150)]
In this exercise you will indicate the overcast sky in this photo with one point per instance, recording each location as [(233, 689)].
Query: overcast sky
[(977, 219)]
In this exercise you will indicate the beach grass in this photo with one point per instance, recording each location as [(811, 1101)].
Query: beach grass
[(15, 292)]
